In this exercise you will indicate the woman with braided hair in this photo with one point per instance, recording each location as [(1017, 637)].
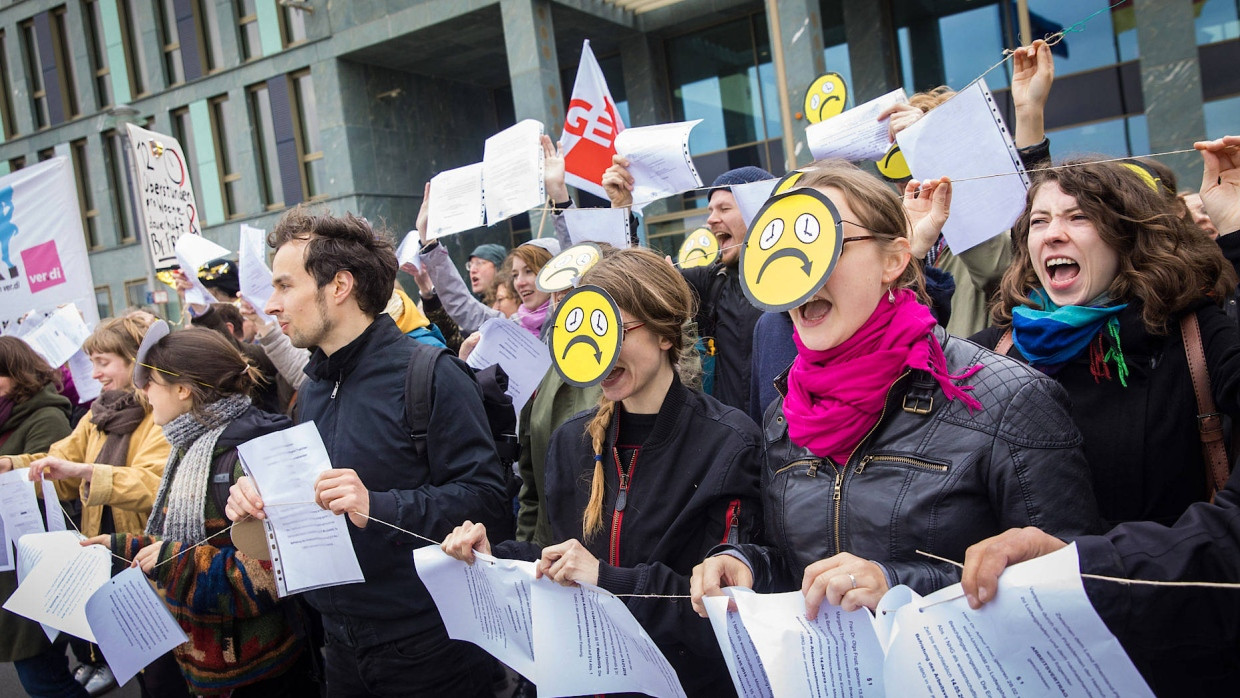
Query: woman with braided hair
[(640, 487), (243, 639)]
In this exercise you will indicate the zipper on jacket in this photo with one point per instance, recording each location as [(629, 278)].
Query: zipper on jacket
[(813, 466), (915, 462), (622, 501), (336, 389), (733, 521)]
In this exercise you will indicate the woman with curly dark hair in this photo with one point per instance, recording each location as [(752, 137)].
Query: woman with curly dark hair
[(1106, 278)]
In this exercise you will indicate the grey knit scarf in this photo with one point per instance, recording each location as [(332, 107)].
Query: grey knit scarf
[(178, 514)]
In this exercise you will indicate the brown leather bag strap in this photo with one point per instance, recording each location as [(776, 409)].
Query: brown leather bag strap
[(1209, 420), (1004, 345)]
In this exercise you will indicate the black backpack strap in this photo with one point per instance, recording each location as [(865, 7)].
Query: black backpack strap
[(419, 382), (222, 479)]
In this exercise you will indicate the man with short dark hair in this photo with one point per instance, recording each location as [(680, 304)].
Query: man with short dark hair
[(332, 278)]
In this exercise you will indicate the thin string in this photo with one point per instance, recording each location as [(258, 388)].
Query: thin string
[(1117, 580)]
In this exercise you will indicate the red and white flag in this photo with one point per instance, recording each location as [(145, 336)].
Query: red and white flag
[(590, 127)]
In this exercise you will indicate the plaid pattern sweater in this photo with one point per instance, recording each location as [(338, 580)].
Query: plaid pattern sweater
[(239, 631)]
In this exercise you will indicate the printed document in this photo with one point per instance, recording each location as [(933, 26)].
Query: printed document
[(524, 358), (131, 624), (856, 134), (752, 196), (512, 171), (659, 160), (193, 253), (609, 225), (59, 336), (252, 269), (456, 201), (58, 583)]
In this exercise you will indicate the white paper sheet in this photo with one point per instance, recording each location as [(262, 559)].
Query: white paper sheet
[(55, 514), (609, 225), (310, 547), (659, 160), (744, 664), (7, 559), (961, 138), (856, 134), (487, 603), (18, 505), (83, 381), (456, 201), (131, 624), (512, 171), (593, 644), (32, 553), (409, 248), (836, 654), (252, 271), (1040, 636), (59, 336), (56, 588), (750, 197), (522, 356), (193, 253)]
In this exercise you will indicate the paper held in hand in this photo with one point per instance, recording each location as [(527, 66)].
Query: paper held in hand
[(310, 546), (659, 160)]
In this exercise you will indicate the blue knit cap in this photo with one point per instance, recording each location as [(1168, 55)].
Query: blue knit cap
[(491, 252), (741, 175)]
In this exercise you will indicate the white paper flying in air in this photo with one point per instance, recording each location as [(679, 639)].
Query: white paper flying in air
[(659, 160)]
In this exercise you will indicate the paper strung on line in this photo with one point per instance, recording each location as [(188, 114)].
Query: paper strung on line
[(589, 641), (54, 513), (61, 577), (59, 336), (252, 270), (487, 603), (456, 201), (83, 381), (856, 134), (193, 253), (751, 196), (512, 171), (837, 654), (741, 656), (1040, 636), (19, 507), (609, 225), (659, 160), (131, 624), (409, 248), (33, 553), (961, 138), (310, 546), (522, 356)]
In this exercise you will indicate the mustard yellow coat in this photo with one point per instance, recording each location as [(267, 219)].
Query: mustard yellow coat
[(129, 489)]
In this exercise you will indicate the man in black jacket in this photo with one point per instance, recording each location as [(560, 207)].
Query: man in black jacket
[(332, 278)]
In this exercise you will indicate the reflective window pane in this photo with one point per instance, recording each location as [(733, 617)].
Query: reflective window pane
[(1114, 138), (1222, 117), (1217, 20), (1103, 40)]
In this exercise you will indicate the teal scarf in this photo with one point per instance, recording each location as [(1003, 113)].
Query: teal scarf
[(1052, 337)]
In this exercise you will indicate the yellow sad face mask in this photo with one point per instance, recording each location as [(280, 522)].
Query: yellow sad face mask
[(699, 249), (790, 249), (893, 166), (562, 270), (585, 339), (825, 98)]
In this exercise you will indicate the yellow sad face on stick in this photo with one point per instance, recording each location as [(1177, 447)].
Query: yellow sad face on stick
[(825, 98), (893, 166), (559, 273), (790, 250), (585, 339), (787, 182), (699, 249)]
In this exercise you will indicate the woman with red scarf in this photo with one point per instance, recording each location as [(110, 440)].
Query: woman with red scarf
[(893, 436)]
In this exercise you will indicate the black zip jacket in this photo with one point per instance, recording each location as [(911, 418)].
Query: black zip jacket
[(692, 485), (356, 398), (730, 321)]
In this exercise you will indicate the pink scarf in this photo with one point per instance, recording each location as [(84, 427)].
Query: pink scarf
[(835, 397), (532, 320)]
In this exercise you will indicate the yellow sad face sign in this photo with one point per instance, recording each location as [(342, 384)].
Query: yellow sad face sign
[(790, 250), (699, 249), (893, 166), (585, 340), (825, 98), (787, 182), (562, 270)]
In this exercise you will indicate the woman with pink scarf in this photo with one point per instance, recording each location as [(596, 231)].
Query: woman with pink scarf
[(893, 436)]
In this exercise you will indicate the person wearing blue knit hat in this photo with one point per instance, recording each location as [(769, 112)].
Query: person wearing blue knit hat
[(725, 317)]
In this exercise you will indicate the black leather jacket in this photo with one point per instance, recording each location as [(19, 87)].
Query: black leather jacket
[(930, 476)]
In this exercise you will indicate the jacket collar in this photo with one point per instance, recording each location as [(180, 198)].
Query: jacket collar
[(381, 332), (665, 422)]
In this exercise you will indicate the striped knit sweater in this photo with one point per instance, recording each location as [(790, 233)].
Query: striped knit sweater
[(239, 631)]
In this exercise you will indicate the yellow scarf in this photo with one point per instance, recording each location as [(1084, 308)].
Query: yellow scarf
[(406, 314)]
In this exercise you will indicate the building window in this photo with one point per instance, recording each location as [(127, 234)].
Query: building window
[(183, 131), (309, 142), (247, 23), (103, 301), (1111, 36), (64, 61), (174, 67), (229, 178), (98, 54), (939, 47), (34, 76), (131, 37), (86, 199), (292, 25), (6, 106), (135, 293), (47, 154), (17, 163), (1217, 20), (1222, 116), (270, 189), (114, 158), (208, 22)]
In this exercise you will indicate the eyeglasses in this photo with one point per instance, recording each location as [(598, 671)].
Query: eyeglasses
[(855, 238), (624, 329)]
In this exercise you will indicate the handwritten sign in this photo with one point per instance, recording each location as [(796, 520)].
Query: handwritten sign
[(165, 194)]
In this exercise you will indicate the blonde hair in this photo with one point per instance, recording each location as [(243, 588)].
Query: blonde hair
[(651, 291), (120, 336)]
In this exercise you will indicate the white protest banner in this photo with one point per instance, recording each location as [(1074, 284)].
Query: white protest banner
[(591, 125), (164, 193), (43, 262)]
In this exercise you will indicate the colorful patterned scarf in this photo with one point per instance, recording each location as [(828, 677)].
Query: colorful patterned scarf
[(1054, 336)]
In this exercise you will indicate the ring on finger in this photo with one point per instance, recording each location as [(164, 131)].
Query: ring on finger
[(853, 580)]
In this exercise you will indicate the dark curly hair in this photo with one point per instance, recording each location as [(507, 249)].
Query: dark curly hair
[(1164, 262), (26, 369)]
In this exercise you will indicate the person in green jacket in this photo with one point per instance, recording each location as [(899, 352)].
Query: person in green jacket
[(33, 416)]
